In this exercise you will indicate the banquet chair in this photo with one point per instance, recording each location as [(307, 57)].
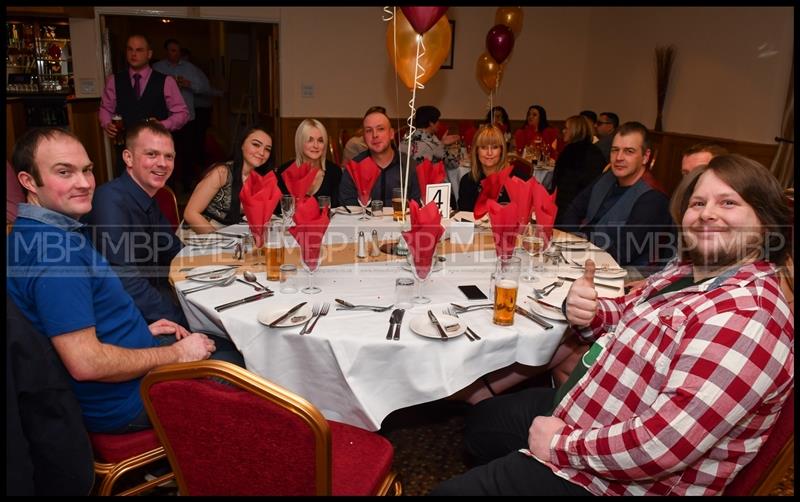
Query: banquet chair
[(773, 460), (119, 454), (248, 436), (168, 203)]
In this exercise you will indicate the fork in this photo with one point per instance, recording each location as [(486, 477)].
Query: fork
[(471, 335), (553, 287), (324, 311), (314, 313)]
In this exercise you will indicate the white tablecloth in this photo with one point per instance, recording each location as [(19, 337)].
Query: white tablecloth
[(347, 368)]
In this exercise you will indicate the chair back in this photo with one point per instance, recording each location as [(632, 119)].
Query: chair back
[(772, 462), (168, 204), (249, 437)]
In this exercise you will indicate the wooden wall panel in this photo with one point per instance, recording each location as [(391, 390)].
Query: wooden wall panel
[(84, 123), (15, 123), (670, 146)]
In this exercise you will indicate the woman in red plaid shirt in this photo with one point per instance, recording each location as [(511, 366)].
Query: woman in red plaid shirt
[(686, 377)]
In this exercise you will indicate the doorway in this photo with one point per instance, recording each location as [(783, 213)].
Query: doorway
[(239, 58)]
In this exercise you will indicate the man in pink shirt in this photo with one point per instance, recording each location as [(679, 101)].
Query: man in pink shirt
[(139, 93)]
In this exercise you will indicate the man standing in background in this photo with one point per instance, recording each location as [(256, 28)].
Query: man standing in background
[(192, 82), (137, 94)]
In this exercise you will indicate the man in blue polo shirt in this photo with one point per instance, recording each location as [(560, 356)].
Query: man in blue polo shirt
[(69, 292)]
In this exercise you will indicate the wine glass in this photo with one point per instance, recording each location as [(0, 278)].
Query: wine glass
[(364, 200), (287, 209), (311, 266), (533, 240), (421, 271)]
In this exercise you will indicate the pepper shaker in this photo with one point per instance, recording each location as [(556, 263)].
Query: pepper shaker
[(376, 247), (362, 245)]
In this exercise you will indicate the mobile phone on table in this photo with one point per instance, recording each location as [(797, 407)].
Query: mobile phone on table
[(473, 292)]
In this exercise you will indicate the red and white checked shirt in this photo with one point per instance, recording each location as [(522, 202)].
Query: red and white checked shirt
[(686, 389)]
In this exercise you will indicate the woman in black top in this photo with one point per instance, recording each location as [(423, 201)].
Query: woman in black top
[(310, 146), (578, 165), (488, 157)]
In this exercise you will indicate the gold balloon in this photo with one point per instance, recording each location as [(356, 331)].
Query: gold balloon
[(437, 42), (511, 17), (489, 73)]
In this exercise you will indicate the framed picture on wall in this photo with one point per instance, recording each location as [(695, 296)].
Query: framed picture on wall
[(448, 62)]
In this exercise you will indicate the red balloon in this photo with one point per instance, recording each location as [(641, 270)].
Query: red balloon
[(423, 18), (499, 42)]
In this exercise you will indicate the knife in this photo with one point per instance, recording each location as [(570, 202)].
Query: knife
[(265, 294), (230, 234), (544, 303), (533, 317), (210, 272), (392, 323), (439, 327), (399, 323), (286, 315), (347, 209), (598, 284)]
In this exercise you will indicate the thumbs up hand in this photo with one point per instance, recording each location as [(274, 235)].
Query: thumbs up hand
[(582, 298)]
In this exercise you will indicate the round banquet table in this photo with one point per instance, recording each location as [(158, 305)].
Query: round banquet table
[(346, 367)]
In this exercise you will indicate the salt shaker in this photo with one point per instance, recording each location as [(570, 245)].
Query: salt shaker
[(376, 247), (362, 245)]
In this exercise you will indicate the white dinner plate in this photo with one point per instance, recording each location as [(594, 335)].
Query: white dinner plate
[(354, 210), (611, 273), (423, 326), (545, 311), (568, 245), (215, 277), (268, 314)]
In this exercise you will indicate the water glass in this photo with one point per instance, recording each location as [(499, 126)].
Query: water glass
[(324, 201), (377, 208), (287, 209), (288, 280), (403, 292), (505, 290)]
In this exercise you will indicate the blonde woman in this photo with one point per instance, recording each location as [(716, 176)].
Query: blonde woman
[(215, 200), (311, 146), (488, 157)]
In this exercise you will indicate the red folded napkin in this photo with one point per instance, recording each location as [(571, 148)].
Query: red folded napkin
[(364, 174), (429, 174), (298, 179), (521, 193), (259, 196), (311, 223), (490, 190), (426, 230), (505, 227), (544, 205)]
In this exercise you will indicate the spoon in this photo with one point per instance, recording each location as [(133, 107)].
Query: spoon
[(251, 277)]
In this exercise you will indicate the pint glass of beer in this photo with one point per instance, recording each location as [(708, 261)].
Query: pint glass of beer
[(273, 249), (397, 204), (505, 290), (119, 139)]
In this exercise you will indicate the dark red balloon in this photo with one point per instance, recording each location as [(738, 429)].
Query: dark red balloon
[(422, 19), (499, 42)]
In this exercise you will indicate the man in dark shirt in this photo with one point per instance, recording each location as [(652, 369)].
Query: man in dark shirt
[(620, 212), (378, 134), (129, 229)]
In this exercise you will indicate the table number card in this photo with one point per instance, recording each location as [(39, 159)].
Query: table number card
[(440, 194)]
